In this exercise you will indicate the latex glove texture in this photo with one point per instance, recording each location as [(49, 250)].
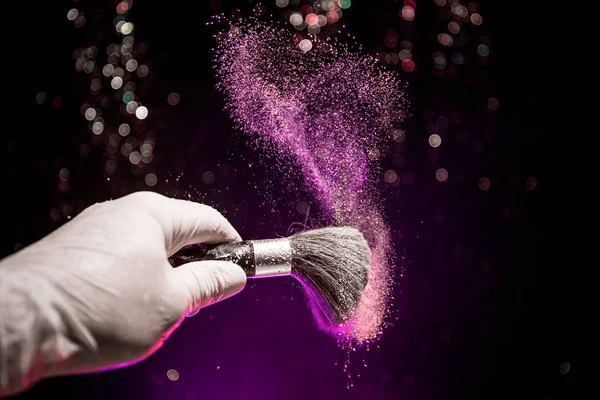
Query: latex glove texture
[(99, 293)]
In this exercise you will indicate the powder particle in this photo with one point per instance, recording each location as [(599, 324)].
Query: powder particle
[(324, 112)]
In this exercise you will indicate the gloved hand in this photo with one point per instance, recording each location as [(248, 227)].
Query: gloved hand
[(98, 293)]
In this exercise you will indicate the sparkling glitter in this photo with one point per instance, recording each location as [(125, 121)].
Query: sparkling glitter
[(325, 111)]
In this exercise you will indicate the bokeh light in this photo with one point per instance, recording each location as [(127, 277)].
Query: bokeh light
[(122, 7), (116, 82), (173, 375), (390, 176), (141, 112), (476, 19), (445, 39), (128, 97), (131, 65), (408, 65), (531, 183), (208, 177), (484, 184), (453, 27), (135, 157), (435, 140), (441, 175), (64, 174), (493, 103), (72, 14), (344, 3), (458, 58), (40, 98), (131, 107), (312, 19), (97, 127), (90, 114), (173, 99), (296, 19), (151, 179), (407, 13), (305, 45), (483, 50), (126, 28), (124, 129), (142, 71)]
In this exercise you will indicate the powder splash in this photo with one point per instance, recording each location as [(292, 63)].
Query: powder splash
[(324, 112)]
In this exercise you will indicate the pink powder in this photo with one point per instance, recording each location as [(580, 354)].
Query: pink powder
[(324, 113)]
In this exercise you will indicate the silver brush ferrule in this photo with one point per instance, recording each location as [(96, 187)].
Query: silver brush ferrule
[(272, 257)]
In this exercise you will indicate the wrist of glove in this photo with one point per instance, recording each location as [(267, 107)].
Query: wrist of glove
[(38, 330), (99, 292)]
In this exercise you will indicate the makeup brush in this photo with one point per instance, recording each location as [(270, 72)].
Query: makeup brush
[(332, 264)]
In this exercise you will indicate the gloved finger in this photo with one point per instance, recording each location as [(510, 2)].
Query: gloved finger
[(185, 222), (207, 282)]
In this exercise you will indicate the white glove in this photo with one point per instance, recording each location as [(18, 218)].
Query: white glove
[(99, 293)]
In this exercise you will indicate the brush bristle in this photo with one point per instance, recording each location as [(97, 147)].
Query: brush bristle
[(333, 266)]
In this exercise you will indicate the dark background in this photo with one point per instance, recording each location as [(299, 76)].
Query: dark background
[(469, 321)]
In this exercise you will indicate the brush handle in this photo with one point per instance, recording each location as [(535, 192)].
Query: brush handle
[(258, 258), (240, 253)]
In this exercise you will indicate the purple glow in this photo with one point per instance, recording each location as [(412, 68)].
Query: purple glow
[(324, 112)]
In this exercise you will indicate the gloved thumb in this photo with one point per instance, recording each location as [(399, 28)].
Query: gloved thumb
[(207, 282)]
